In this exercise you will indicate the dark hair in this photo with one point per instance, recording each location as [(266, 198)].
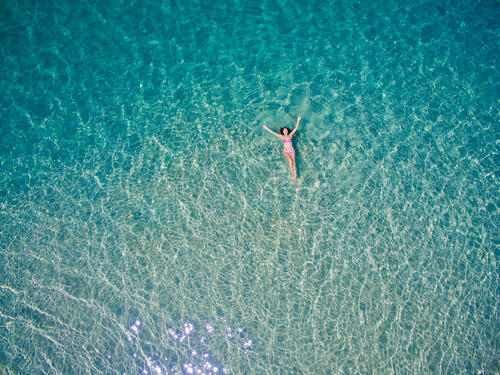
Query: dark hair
[(281, 130)]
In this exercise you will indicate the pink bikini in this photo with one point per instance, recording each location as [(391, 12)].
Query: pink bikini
[(290, 152)]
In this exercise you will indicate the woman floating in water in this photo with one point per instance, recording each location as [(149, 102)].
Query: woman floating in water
[(288, 151)]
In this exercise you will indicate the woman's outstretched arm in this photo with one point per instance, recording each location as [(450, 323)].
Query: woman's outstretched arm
[(296, 126), (270, 131)]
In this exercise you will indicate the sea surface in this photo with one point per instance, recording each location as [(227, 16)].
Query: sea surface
[(149, 225)]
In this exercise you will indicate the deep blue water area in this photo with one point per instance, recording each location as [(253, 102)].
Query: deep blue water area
[(149, 225)]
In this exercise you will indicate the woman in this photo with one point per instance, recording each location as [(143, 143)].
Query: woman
[(288, 151)]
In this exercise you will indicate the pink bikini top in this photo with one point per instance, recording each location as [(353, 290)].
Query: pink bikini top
[(286, 140)]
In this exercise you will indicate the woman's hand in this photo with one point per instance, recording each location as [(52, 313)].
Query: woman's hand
[(270, 131), (296, 126)]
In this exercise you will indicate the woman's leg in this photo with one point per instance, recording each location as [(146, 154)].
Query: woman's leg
[(294, 169), (290, 164)]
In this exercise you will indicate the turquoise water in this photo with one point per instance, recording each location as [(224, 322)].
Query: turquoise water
[(150, 226)]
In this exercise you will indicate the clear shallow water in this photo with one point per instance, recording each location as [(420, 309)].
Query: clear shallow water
[(149, 225)]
